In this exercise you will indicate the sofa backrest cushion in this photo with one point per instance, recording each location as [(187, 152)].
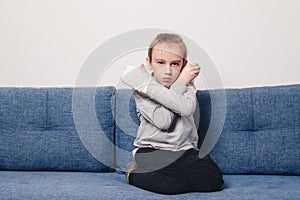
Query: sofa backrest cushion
[(38, 130), (127, 124), (270, 143), (277, 129), (261, 133)]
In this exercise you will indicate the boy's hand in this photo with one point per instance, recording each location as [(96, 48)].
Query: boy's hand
[(143, 68), (189, 72)]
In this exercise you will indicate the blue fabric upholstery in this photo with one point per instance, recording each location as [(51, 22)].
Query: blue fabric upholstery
[(127, 124), (262, 131), (277, 129), (233, 151), (23, 109), (86, 185), (37, 130), (22, 122), (46, 130)]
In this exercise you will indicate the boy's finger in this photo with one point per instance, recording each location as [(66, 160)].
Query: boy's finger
[(142, 66), (196, 69)]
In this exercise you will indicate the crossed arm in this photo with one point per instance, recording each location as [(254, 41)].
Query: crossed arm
[(155, 113), (158, 104), (180, 98)]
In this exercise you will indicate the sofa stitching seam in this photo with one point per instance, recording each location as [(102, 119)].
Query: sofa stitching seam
[(254, 131)]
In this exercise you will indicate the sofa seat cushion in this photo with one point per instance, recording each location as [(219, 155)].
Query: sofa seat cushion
[(88, 185)]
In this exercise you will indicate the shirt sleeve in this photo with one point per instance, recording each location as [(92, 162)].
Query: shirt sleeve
[(180, 98), (153, 112)]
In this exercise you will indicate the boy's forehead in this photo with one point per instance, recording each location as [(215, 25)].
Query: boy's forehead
[(175, 49)]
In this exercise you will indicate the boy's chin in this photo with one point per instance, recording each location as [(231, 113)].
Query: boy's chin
[(167, 85)]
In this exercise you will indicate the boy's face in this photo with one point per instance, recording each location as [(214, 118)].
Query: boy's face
[(166, 63)]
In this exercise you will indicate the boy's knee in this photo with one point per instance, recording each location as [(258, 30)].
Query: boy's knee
[(172, 188), (212, 185), (158, 183)]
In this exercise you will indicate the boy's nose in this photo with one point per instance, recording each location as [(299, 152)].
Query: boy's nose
[(168, 69)]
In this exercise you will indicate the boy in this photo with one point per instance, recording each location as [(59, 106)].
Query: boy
[(166, 153)]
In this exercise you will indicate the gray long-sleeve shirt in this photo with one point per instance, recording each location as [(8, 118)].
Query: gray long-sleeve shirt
[(166, 117)]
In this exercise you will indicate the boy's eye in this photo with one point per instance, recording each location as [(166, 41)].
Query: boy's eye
[(159, 62), (176, 64)]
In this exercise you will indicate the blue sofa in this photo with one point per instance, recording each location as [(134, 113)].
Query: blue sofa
[(75, 143)]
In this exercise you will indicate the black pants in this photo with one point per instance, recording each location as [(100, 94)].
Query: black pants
[(169, 172)]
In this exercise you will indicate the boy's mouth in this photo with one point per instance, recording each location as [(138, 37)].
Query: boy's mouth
[(166, 79)]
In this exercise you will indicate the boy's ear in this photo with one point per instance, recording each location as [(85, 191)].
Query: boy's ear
[(147, 60)]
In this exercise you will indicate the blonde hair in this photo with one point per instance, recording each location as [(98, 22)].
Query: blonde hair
[(167, 38)]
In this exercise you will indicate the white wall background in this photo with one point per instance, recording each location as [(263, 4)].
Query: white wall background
[(45, 43)]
